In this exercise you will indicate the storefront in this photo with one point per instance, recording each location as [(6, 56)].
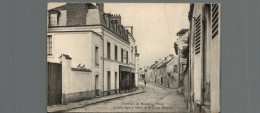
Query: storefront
[(126, 79)]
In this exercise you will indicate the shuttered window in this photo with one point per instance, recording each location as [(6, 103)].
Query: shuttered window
[(215, 19), (108, 50), (198, 34), (49, 45), (96, 56)]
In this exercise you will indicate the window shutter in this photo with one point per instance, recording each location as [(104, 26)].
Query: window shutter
[(215, 20), (49, 45), (198, 34), (198, 59)]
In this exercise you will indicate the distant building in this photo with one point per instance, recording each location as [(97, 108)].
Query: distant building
[(162, 71)]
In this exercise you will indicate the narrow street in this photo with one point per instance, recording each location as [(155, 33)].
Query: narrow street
[(154, 99)]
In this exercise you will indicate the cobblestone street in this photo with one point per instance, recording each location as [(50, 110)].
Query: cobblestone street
[(154, 99)]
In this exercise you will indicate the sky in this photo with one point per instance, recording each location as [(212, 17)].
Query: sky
[(154, 26)]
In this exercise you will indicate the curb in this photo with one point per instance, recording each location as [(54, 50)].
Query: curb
[(62, 111)]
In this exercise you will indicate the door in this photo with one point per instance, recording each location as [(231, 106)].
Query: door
[(108, 83), (97, 85), (54, 77), (116, 82)]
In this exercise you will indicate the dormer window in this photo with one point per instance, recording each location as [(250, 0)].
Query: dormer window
[(53, 19)]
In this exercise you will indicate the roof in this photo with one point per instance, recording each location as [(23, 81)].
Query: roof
[(152, 65), (164, 63), (96, 16), (182, 31), (65, 6), (182, 42), (159, 64), (167, 62), (171, 61), (66, 56)]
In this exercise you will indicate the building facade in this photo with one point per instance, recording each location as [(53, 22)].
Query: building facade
[(204, 58), (97, 41)]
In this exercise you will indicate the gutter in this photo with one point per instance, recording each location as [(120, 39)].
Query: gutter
[(103, 63)]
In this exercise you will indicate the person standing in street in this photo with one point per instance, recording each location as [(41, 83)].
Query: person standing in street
[(145, 82)]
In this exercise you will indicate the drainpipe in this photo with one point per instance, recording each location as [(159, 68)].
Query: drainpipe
[(179, 67), (103, 62)]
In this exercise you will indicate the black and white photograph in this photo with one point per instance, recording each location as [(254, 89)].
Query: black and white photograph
[(133, 57)]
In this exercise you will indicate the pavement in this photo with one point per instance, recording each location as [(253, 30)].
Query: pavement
[(154, 99), (160, 86), (75, 105)]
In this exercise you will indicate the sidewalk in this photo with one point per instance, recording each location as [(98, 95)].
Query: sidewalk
[(63, 108)]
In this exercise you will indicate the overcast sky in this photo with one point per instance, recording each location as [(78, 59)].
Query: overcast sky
[(155, 26)]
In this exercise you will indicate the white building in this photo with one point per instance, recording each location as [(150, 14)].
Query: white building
[(96, 41)]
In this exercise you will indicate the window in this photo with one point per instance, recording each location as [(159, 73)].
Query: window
[(127, 57), (214, 18), (108, 83), (175, 69), (132, 56), (49, 45), (161, 80), (122, 55), (108, 50), (96, 56), (115, 80), (183, 67), (115, 53), (53, 19), (198, 34), (106, 20)]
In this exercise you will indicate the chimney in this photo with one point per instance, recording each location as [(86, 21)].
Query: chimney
[(132, 30), (100, 6), (117, 18), (171, 55)]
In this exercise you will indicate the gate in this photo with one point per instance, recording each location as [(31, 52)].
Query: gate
[(54, 77)]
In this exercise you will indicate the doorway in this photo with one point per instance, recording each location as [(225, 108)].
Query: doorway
[(97, 86), (54, 77), (108, 83), (116, 82)]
